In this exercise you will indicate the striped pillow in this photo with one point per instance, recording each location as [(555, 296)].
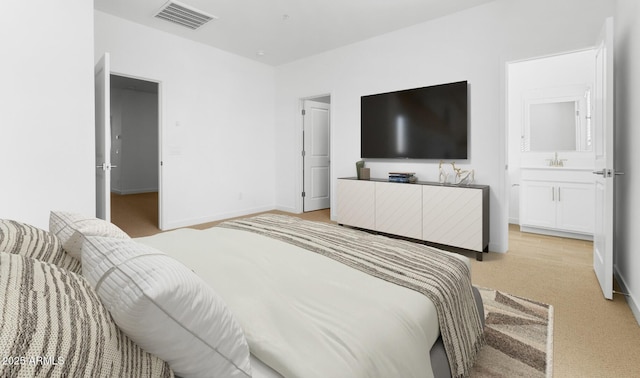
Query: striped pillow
[(24, 239), (71, 227), (53, 324)]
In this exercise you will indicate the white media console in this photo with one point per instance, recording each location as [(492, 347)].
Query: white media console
[(438, 214)]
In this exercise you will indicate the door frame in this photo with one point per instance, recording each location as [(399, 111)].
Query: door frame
[(102, 131), (300, 146), (161, 206), (506, 135)]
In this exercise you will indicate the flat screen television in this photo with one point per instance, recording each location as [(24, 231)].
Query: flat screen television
[(420, 123)]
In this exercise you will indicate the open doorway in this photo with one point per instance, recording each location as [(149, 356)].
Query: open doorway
[(550, 131), (135, 155), (316, 153)]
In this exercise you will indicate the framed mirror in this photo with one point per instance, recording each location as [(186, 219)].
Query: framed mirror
[(557, 123)]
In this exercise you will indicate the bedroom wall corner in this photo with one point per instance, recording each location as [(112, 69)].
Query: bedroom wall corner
[(46, 110)]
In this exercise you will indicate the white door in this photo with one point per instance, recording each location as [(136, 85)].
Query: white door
[(103, 138), (603, 143), (316, 156)]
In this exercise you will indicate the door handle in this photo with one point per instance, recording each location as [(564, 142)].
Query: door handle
[(608, 173), (106, 166)]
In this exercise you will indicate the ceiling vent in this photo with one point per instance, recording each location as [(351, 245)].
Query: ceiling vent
[(184, 15)]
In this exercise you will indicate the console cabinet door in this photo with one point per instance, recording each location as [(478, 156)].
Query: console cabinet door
[(399, 209), (575, 207), (538, 204), (356, 203), (452, 216)]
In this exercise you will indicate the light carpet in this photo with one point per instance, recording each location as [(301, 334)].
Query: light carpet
[(519, 336)]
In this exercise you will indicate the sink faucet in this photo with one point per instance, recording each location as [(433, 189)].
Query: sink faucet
[(555, 162)]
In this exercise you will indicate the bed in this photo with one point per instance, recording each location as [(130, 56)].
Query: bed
[(296, 299)]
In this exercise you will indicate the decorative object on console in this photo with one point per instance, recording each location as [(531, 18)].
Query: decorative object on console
[(443, 175), (359, 165), (404, 177), (466, 177), (365, 173)]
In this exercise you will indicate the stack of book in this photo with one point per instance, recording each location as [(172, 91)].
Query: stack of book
[(408, 177)]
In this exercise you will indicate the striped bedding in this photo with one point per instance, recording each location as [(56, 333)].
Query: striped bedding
[(441, 277)]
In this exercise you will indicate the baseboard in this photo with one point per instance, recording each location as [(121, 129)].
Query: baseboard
[(214, 218), (562, 234), (134, 191), (287, 209), (632, 301)]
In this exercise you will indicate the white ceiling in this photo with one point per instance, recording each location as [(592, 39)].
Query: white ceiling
[(287, 30)]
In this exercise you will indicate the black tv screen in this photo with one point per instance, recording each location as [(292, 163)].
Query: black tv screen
[(420, 123)]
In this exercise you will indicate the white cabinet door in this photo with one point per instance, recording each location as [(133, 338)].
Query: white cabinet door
[(561, 206), (356, 203), (452, 216), (538, 204), (575, 209), (399, 209)]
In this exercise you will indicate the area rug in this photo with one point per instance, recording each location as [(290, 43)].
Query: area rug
[(519, 335)]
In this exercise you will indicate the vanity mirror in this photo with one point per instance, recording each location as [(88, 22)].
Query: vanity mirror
[(556, 121)]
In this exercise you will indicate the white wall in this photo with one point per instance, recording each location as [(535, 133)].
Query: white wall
[(472, 45), (553, 75), (217, 121), (134, 117), (627, 121), (46, 109)]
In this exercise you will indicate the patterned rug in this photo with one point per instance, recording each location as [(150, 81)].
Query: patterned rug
[(519, 335)]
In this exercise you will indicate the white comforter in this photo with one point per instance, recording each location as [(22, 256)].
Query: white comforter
[(305, 315)]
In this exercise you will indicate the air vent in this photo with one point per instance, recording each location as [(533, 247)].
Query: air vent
[(184, 15)]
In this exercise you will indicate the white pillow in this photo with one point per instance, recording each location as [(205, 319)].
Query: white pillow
[(70, 227), (166, 308)]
